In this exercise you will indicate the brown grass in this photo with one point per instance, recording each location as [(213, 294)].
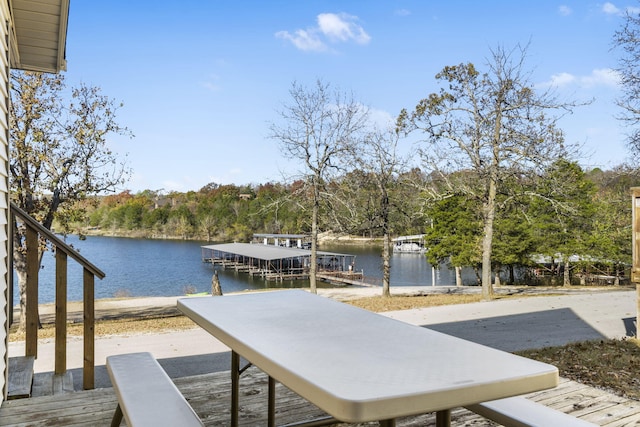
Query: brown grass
[(380, 304), (613, 365), (115, 327)]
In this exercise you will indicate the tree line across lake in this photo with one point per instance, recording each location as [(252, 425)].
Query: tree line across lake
[(571, 225)]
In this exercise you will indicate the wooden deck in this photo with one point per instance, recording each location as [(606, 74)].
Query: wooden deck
[(210, 397)]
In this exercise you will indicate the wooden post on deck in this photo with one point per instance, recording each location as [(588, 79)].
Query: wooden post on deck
[(33, 267), (61, 313), (88, 371), (635, 268)]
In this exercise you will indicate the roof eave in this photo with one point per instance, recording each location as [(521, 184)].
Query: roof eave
[(41, 60)]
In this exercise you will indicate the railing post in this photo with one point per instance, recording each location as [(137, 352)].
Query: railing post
[(61, 313), (635, 268), (88, 373), (33, 267), (90, 271)]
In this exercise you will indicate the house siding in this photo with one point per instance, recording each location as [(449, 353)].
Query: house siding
[(4, 192)]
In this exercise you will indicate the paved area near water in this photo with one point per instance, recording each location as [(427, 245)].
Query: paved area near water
[(533, 322), (508, 324)]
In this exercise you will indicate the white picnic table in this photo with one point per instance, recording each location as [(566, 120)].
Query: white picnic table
[(356, 365)]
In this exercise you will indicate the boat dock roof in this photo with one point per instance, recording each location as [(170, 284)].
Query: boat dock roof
[(267, 252), (407, 238), (277, 262)]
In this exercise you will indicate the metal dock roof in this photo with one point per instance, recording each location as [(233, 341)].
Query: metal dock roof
[(266, 252)]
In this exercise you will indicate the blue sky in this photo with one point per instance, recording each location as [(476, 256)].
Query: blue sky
[(202, 80)]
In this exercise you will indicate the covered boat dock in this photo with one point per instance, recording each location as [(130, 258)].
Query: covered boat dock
[(412, 244), (300, 241), (277, 262)]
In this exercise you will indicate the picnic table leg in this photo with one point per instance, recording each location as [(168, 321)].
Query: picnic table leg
[(117, 417), (271, 407), (235, 380), (443, 418)]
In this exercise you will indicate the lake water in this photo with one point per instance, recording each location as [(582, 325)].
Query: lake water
[(144, 267)]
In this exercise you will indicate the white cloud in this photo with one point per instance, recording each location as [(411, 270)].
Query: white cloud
[(598, 77), (602, 77), (564, 10), (331, 28), (381, 118), (403, 12), (560, 80), (611, 9), (342, 28), (303, 40)]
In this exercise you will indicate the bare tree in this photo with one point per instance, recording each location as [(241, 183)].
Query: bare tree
[(319, 128), (59, 153), (627, 39), (381, 158), (493, 125), (379, 165)]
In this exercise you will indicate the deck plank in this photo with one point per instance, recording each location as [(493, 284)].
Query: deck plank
[(210, 396)]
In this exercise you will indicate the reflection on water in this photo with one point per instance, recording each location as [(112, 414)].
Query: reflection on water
[(407, 269), (143, 267)]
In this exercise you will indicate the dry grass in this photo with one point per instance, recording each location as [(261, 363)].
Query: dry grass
[(379, 304), (115, 327), (609, 364), (613, 365)]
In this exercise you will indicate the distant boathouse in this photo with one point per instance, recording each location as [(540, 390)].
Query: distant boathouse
[(281, 257)]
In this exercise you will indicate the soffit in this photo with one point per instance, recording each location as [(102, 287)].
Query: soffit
[(40, 34)]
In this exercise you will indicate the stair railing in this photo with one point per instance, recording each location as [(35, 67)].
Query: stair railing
[(34, 230)]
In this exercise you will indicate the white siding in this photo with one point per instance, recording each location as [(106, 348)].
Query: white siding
[(4, 194)]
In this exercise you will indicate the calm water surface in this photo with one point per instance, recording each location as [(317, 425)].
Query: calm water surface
[(143, 267)]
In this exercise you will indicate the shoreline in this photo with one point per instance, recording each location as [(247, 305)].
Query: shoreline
[(165, 306), (323, 237)]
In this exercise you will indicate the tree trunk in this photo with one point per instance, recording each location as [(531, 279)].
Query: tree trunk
[(487, 241), (314, 241), (566, 276), (497, 278), (20, 266), (386, 266), (386, 245), (458, 276), (216, 289)]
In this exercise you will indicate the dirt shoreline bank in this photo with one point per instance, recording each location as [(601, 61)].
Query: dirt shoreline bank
[(325, 237)]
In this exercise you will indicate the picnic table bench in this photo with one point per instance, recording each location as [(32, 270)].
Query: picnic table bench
[(522, 412), (146, 395)]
